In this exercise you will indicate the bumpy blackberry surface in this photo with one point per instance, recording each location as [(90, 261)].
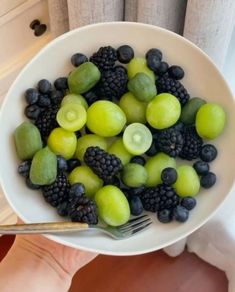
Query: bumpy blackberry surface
[(192, 144), (57, 192), (103, 164), (104, 58), (113, 84), (172, 86), (159, 198), (46, 121), (170, 141), (83, 209)]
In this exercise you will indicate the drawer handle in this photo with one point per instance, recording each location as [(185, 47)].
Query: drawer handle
[(38, 27)]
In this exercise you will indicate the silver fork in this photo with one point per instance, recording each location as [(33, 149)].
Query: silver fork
[(133, 226)]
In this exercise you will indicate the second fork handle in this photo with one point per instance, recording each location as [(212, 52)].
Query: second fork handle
[(43, 228)]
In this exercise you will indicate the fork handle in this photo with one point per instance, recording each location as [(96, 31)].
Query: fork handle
[(43, 228)]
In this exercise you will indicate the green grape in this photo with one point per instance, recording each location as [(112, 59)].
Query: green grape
[(137, 138), (134, 175), (117, 148), (83, 174), (89, 140), (142, 86), (113, 206), (71, 117), (105, 118), (62, 142), (137, 65), (163, 111), (210, 121), (188, 183), (190, 109), (134, 109), (75, 98), (155, 166)]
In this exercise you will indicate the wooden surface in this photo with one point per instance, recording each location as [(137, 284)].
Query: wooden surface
[(153, 272)]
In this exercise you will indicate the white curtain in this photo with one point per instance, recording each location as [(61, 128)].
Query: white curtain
[(207, 23)]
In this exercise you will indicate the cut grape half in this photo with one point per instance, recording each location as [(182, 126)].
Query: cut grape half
[(71, 117), (137, 138)]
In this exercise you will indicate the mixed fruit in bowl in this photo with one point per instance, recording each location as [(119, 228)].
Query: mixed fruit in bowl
[(118, 136)]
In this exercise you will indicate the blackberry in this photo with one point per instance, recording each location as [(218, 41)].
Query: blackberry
[(57, 192), (192, 144), (103, 164), (153, 150), (105, 58), (46, 121), (172, 86), (83, 209), (170, 141), (113, 84), (159, 198)]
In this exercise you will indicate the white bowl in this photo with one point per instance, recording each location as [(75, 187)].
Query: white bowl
[(201, 79)]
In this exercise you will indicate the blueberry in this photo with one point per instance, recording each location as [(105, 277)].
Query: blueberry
[(136, 191), (90, 97), (44, 86), (61, 163), (188, 202), (208, 153), (72, 163), (24, 168), (154, 52), (30, 185), (163, 67), (125, 192), (154, 63), (62, 209), (125, 53), (152, 150), (138, 159), (78, 59), (121, 68), (165, 216), (32, 111), (208, 180), (77, 190), (201, 167), (114, 181), (176, 72), (61, 83), (180, 213), (56, 97), (31, 95), (43, 101), (169, 176), (136, 205)]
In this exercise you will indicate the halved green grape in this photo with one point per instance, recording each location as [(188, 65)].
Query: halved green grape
[(105, 118), (142, 86), (74, 98), (62, 142), (117, 148), (163, 111), (187, 183), (134, 175), (155, 166), (134, 109), (190, 109), (83, 174), (113, 206), (137, 65), (89, 140), (71, 117), (210, 120), (137, 138)]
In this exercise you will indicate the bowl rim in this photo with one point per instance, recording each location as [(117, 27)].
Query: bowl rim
[(57, 238)]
